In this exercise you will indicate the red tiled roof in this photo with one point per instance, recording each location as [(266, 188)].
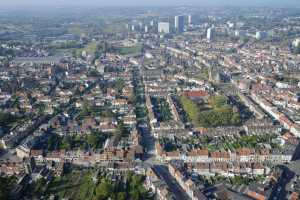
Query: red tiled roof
[(255, 195), (199, 93)]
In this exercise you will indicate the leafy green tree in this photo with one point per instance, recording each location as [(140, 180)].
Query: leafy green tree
[(96, 139), (74, 53), (121, 196), (236, 118), (53, 142), (119, 84), (41, 108), (66, 143), (6, 184), (6, 119), (104, 190), (122, 131), (162, 107), (86, 109)]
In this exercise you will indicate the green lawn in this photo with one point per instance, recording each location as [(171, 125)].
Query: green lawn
[(76, 30), (129, 50), (91, 48), (192, 110), (216, 113), (202, 75)]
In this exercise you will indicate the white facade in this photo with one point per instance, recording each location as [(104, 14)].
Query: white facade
[(190, 19), (296, 42), (209, 34), (261, 35), (164, 27)]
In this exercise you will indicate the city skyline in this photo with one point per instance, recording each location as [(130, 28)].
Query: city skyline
[(264, 3)]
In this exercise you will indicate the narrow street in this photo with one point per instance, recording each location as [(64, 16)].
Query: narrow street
[(279, 192), (175, 188)]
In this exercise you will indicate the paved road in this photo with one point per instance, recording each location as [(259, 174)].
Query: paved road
[(279, 191), (296, 155), (175, 188)]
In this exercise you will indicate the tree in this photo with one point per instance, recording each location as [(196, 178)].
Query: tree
[(137, 191), (96, 139), (104, 190), (66, 143), (6, 184), (162, 109), (122, 131), (7, 118), (121, 196), (53, 142), (119, 85), (41, 108), (86, 109), (74, 53), (236, 118)]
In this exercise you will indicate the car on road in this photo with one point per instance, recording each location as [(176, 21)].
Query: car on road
[(279, 189)]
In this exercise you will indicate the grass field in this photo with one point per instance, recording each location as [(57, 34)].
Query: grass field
[(192, 110), (217, 112), (76, 185), (91, 47), (202, 75), (129, 50)]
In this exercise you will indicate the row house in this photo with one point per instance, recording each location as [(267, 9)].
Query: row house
[(173, 108), (157, 185), (240, 155), (220, 156), (129, 120), (187, 184), (172, 155), (111, 93), (9, 168), (197, 155), (119, 102), (151, 115), (108, 128), (259, 130), (18, 134), (44, 99), (56, 156), (229, 169), (107, 124), (220, 131), (135, 137), (290, 139), (272, 110), (38, 155), (99, 102), (121, 167), (86, 158), (127, 92)]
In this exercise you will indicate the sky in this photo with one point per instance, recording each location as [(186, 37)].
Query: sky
[(276, 3)]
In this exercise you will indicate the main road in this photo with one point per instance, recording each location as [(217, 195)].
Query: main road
[(173, 185)]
